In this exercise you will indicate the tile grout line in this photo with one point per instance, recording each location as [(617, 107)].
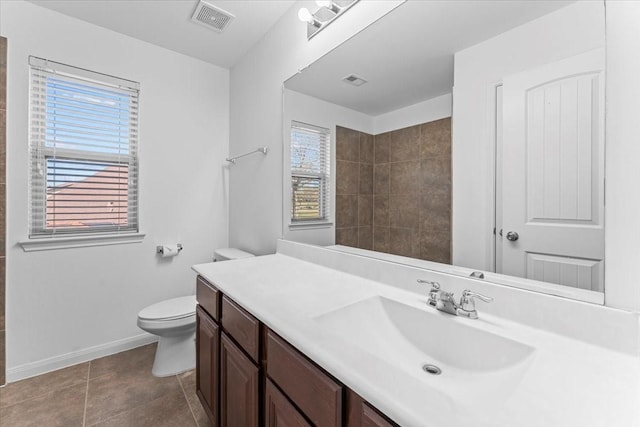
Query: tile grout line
[(86, 396), (38, 396), (184, 393)]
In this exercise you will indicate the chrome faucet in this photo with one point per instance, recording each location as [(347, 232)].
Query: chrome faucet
[(444, 301), (467, 306), (434, 292)]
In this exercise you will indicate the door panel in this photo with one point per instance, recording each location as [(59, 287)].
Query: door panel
[(574, 272), (239, 379), (553, 172), (279, 412), (207, 345)]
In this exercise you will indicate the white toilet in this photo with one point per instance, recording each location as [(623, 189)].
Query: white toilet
[(174, 321)]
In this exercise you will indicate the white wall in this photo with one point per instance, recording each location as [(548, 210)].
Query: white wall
[(75, 303), (422, 112), (569, 31), (256, 116), (307, 109), (622, 215)]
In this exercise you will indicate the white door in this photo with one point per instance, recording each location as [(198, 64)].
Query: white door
[(553, 172)]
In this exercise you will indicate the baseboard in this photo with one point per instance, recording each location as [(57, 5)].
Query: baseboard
[(47, 365)]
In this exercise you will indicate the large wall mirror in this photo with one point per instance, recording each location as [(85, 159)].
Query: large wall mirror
[(463, 136)]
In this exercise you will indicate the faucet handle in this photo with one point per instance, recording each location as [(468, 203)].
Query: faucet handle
[(434, 284), (467, 302), (434, 292)]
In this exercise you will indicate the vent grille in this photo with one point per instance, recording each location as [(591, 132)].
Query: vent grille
[(354, 80), (211, 17)]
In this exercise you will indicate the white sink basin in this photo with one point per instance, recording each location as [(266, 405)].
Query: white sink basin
[(411, 337)]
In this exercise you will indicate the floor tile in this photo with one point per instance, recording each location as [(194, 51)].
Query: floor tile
[(137, 360), (115, 393), (63, 408), (170, 410), (43, 384), (188, 381)]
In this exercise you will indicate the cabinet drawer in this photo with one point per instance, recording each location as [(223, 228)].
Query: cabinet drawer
[(242, 327), (208, 297), (317, 395)]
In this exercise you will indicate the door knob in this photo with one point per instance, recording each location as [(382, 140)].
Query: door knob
[(512, 236)]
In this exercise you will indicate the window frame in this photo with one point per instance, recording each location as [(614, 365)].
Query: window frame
[(324, 176), (41, 153)]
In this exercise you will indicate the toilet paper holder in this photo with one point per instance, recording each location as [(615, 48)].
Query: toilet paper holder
[(160, 248)]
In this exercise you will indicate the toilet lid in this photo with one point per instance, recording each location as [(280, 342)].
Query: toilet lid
[(176, 308), (232, 253)]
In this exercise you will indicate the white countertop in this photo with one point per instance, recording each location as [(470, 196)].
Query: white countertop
[(566, 383)]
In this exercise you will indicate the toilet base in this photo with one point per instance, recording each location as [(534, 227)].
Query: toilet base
[(174, 355)]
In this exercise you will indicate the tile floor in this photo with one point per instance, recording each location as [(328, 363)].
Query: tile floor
[(116, 390)]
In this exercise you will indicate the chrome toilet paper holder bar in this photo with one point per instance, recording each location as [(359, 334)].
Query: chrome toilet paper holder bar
[(160, 248)]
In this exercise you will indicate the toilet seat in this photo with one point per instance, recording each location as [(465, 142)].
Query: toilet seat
[(172, 309)]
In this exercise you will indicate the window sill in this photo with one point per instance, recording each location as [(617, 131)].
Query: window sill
[(52, 243), (310, 225)]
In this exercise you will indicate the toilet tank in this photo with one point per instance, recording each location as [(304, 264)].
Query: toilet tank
[(225, 254)]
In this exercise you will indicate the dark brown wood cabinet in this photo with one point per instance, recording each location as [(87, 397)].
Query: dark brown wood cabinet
[(371, 418), (317, 395), (360, 414), (247, 375), (279, 411), (239, 381), (207, 371), (208, 298), (242, 326)]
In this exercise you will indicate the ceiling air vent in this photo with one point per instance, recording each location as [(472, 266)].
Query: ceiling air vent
[(211, 16), (352, 79)]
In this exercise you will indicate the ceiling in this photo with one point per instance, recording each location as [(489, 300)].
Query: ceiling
[(407, 56), (167, 23)]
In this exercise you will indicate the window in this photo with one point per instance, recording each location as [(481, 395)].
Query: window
[(83, 152), (310, 167)]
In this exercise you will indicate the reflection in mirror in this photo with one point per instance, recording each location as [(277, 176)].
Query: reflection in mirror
[(466, 133)]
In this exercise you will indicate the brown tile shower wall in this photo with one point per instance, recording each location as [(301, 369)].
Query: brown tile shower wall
[(354, 188), (3, 193), (410, 205)]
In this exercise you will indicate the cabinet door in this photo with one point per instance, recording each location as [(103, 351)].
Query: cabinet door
[(238, 387), (207, 369), (371, 418), (279, 412), (360, 414)]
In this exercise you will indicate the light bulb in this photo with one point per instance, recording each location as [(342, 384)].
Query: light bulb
[(324, 3), (305, 16)]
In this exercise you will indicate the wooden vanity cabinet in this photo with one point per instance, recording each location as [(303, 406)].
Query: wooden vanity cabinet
[(247, 375), (317, 395), (360, 414), (227, 362), (239, 386), (207, 354), (279, 411)]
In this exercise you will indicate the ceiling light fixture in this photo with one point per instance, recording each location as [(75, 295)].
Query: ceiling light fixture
[(328, 11), (332, 6), (305, 16)]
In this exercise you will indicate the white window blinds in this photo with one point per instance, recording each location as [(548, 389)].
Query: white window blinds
[(83, 151), (310, 172)]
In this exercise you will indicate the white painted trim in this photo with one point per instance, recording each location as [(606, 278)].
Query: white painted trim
[(39, 367), (51, 243), (310, 225), (553, 289), (426, 111)]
